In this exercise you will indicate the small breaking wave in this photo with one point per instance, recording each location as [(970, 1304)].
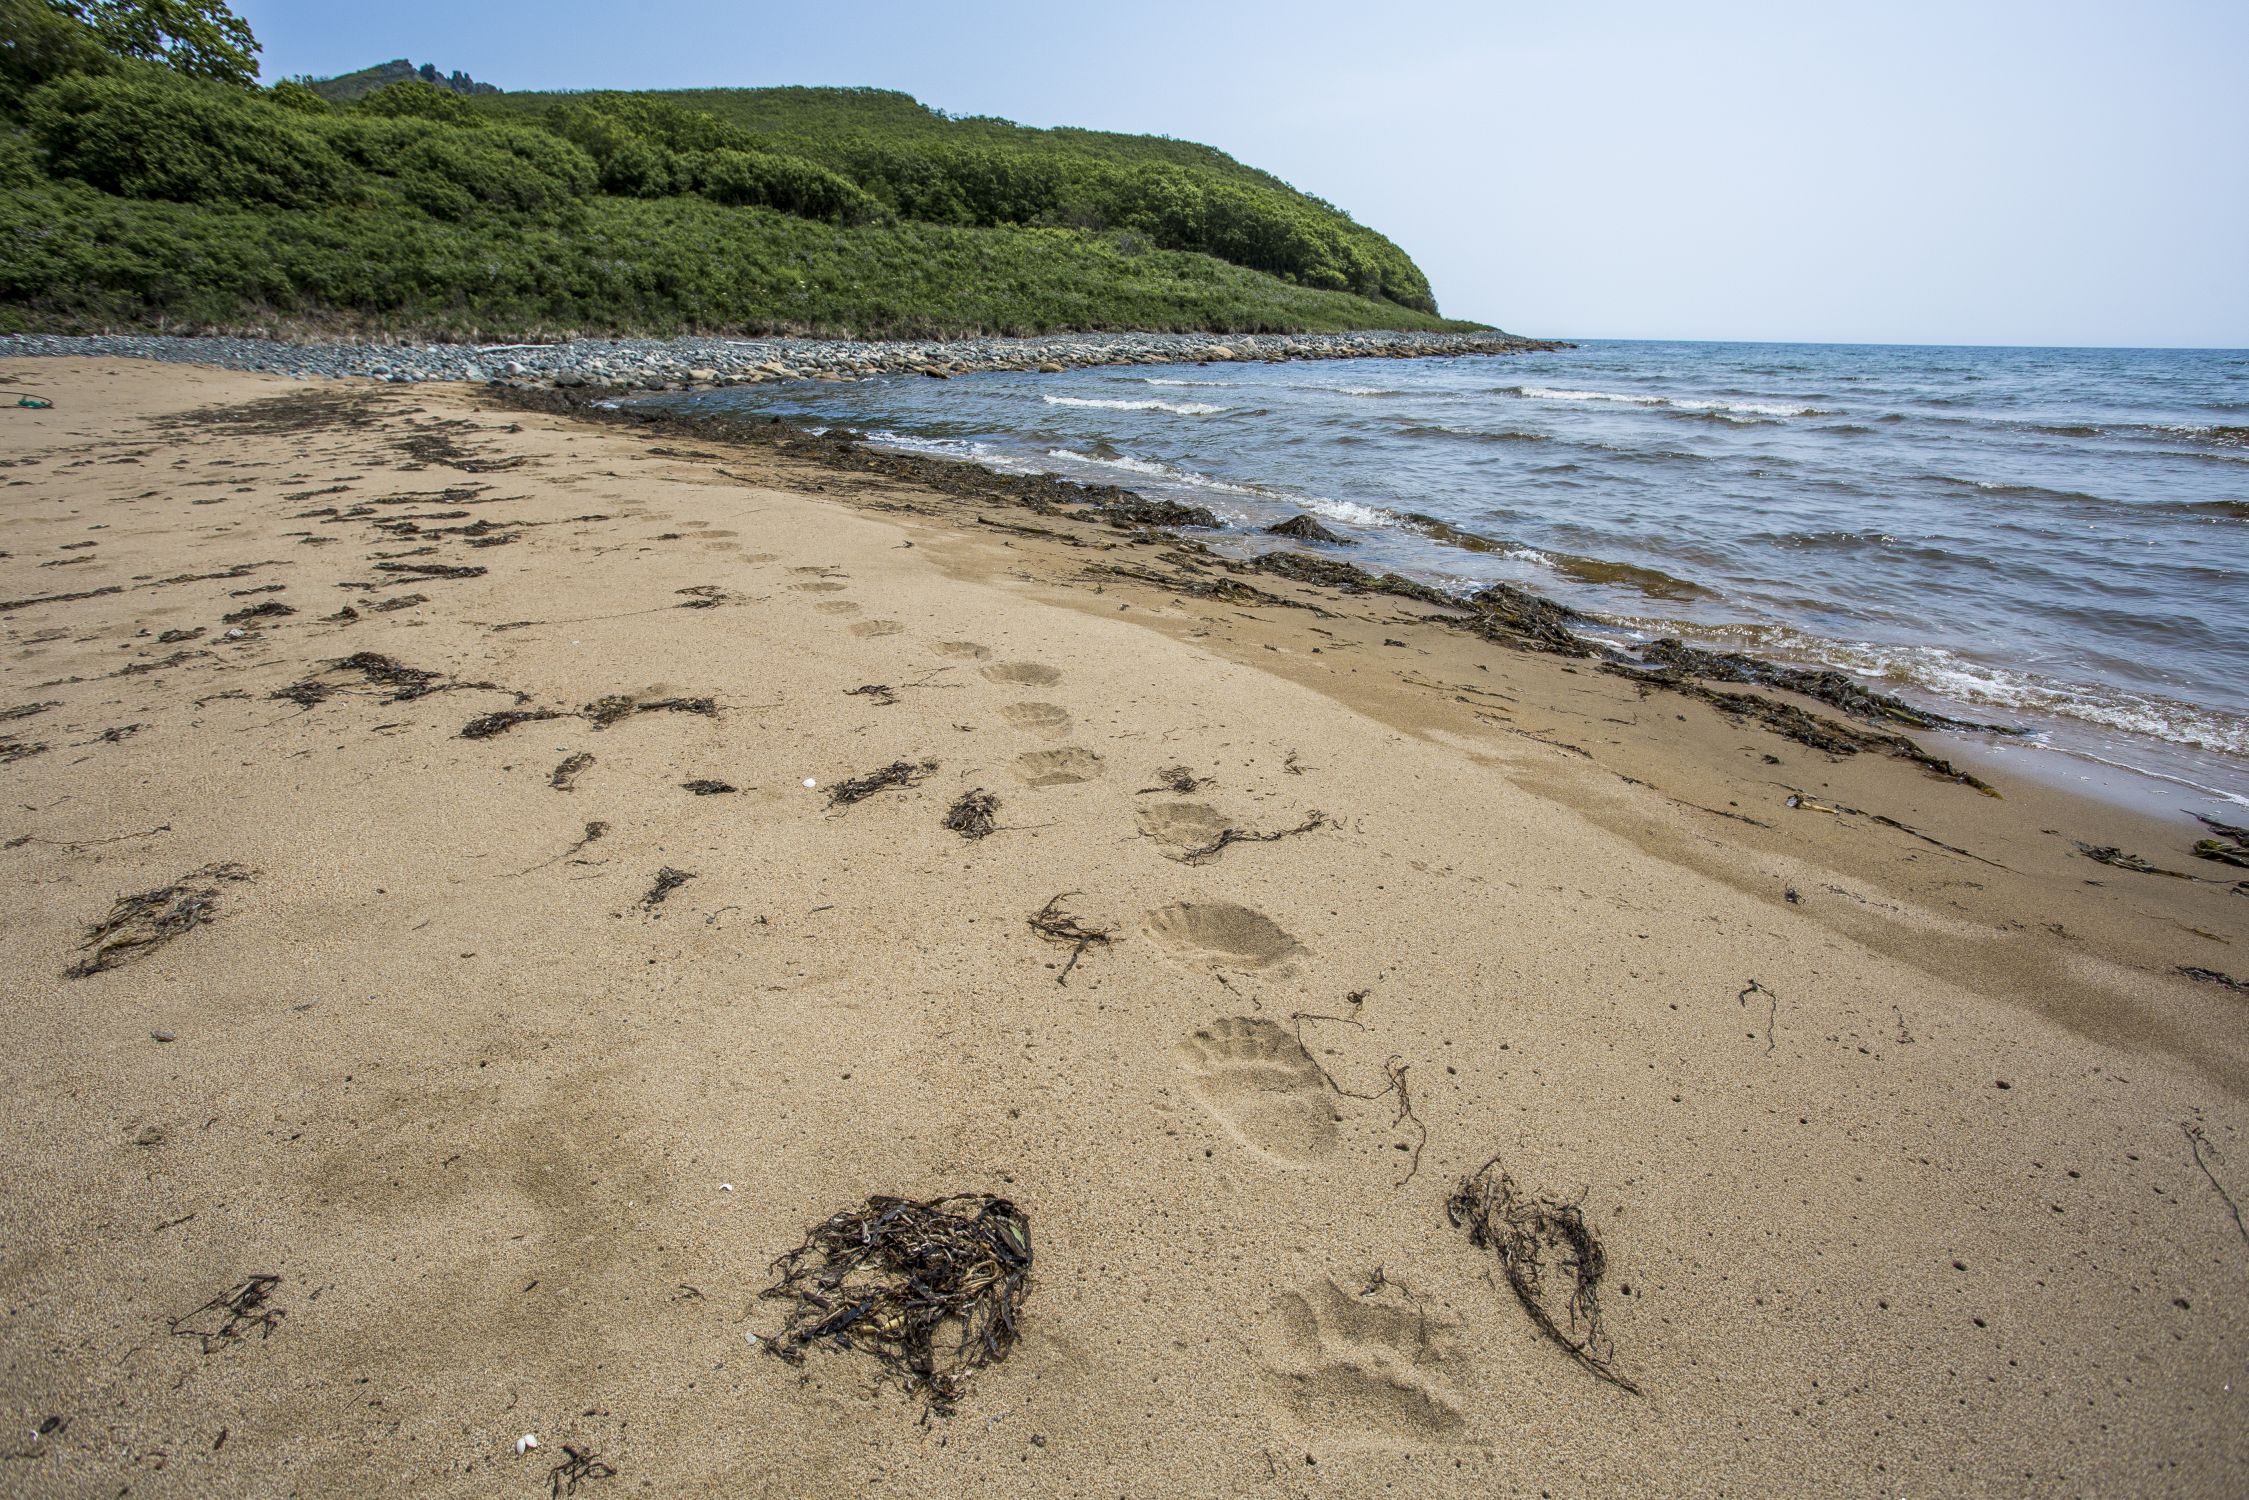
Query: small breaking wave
[(1176, 408), (2002, 487), (1677, 403), (1472, 434), (2216, 436), (1148, 468), (1159, 380)]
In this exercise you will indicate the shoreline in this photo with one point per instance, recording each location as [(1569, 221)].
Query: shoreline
[(547, 991), (640, 364), (1988, 744)]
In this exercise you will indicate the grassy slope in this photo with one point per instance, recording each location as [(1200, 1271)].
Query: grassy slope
[(84, 261)]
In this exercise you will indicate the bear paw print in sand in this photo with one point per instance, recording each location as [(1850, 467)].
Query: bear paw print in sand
[(1256, 1080)]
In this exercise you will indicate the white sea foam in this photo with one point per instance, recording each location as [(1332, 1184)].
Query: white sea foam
[(1148, 468), (1677, 403), (1349, 512), (958, 449), (1947, 675), (1159, 380), (1176, 408)]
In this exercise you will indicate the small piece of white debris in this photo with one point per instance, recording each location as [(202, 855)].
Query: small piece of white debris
[(750, 1339), (808, 781), (726, 1187), (525, 1444)]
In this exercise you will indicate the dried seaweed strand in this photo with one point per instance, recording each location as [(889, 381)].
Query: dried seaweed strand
[(2197, 1142), (1772, 1009), (1231, 836), (1058, 926)]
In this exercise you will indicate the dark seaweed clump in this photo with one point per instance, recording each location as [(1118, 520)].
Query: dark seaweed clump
[(271, 609), (484, 726), (891, 1277), (973, 815), (603, 712), (668, 880), (140, 924), (1303, 528), (900, 773), (399, 682), (1822, 684)]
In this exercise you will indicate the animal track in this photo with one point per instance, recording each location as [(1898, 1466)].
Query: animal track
[(1039, 718), (1065, 767), (1186, 825), (961, 650), (819, 587), (1257, 1080), (1377, 1365), (1023, 674), (837, 607), (876, 627), (1222, 935)]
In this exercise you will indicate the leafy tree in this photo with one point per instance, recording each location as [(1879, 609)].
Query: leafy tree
[(40, 43), (197, 38)]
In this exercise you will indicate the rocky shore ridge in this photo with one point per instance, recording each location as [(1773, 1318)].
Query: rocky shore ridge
[(662, 364)]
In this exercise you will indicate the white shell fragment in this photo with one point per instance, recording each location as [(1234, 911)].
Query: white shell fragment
[(808, 781), (525, 1444)]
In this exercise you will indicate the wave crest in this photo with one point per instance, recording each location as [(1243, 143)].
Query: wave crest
[(1176, 408), (1676, 403)]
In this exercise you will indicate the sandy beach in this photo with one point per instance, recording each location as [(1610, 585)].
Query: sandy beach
[(489, 1073)]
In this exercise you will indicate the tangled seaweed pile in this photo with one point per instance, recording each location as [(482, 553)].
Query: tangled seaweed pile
[(145, 921), (885, 1279), (1534, 1235)]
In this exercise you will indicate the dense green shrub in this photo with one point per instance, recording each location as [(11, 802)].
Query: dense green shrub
[(454, 173), (416, 100), (150, 137), (794, 186), (72, 259), (291, 94), (19, 164)]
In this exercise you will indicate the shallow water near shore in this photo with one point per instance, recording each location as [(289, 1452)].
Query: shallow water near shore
[(2052, 538)]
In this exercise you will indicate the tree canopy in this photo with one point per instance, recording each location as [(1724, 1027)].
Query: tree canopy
[(196, 38)]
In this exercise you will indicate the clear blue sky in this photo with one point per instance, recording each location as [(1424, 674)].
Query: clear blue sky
[(2003, 172)]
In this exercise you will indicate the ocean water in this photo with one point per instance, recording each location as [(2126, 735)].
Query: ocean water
[(2055, 538)]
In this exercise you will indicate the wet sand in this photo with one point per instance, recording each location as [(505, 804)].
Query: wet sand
[(1912, 1151)]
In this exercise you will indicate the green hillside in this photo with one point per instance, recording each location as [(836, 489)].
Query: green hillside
[(150, 187)]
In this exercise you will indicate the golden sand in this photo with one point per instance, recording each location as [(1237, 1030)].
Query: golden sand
[(1909, 1149)]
